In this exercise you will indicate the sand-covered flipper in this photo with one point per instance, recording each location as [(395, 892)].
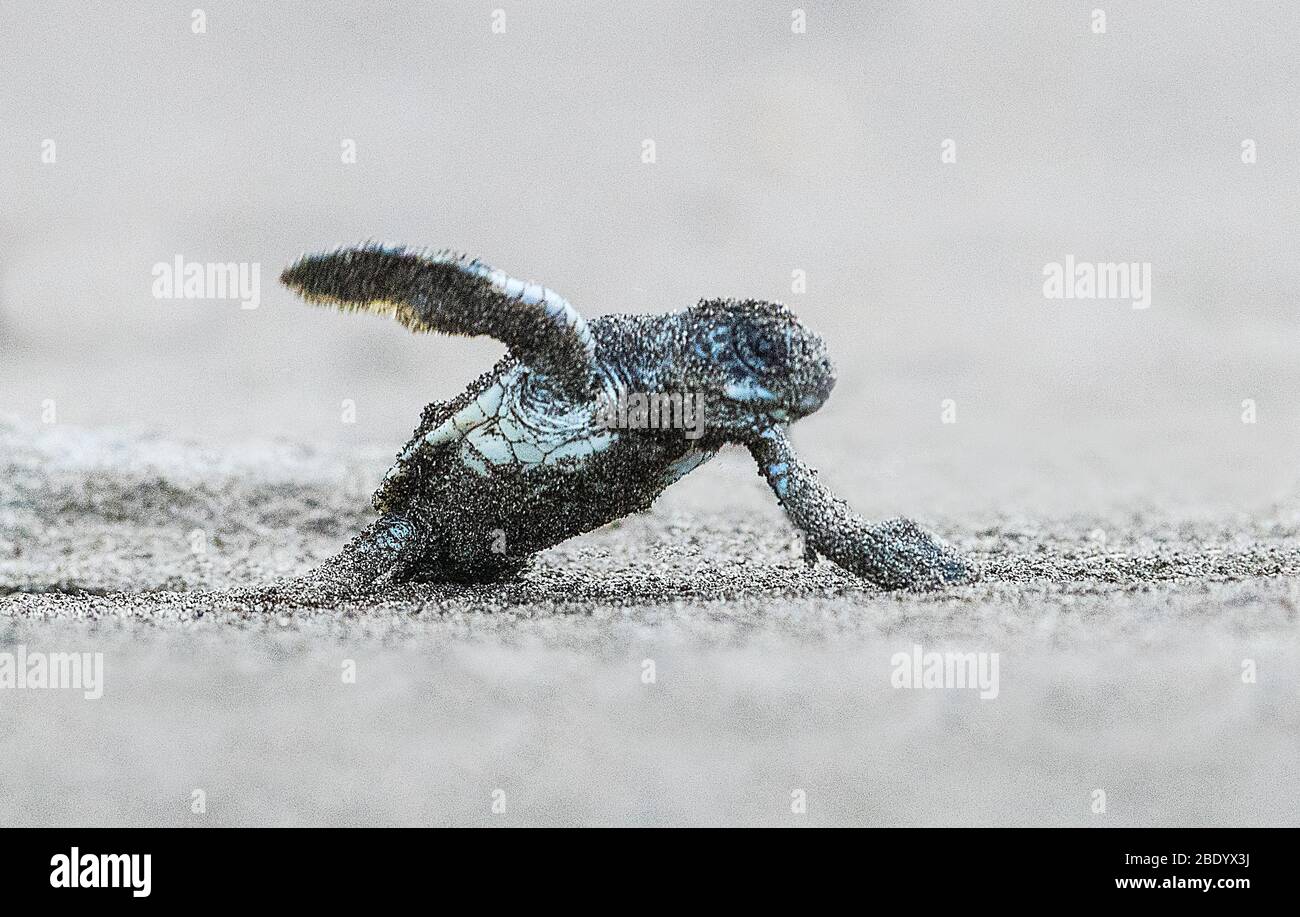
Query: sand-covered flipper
[(894, 555), (451, 293), (379, 554)]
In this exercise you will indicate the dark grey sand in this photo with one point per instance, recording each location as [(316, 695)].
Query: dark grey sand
[(1121, 643)]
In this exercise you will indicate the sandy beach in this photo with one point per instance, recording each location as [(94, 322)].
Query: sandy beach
[(1121, 661)]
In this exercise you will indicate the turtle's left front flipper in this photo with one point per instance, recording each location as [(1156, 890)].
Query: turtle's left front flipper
[(894, 555)]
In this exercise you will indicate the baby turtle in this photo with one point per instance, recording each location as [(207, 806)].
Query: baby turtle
[(533, 452)]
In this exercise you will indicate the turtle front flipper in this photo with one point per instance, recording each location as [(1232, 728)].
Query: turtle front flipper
[(454, 294), (894, 555)]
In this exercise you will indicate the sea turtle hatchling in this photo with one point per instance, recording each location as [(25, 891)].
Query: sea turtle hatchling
[(526, 457)]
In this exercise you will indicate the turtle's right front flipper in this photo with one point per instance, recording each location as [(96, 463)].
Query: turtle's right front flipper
[(452, 294), (894, 555)]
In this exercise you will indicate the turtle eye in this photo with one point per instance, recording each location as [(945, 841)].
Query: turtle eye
[(759, 352)]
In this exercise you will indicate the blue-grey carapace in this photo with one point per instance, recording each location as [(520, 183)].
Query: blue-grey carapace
[(527, 456)]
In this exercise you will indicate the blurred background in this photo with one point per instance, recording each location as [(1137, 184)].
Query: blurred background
[(775, 152)]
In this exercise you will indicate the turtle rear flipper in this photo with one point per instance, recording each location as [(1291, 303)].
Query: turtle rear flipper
[(387, 545), (896, 554), (454, 294), (378, 554)]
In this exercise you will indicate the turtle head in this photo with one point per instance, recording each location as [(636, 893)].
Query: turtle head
[(755, 364)]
